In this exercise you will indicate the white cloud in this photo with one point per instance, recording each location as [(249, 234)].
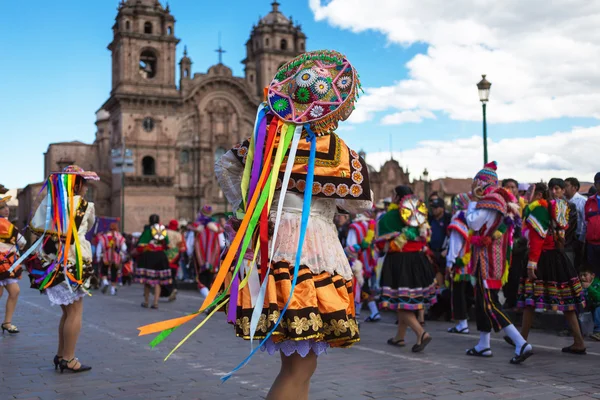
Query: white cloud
[(543, 58), (403, 117), (561, 154)]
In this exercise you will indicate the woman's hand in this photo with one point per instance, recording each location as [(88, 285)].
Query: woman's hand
[(531, 274)]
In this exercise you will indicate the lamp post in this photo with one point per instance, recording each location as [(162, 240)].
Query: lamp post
[(122, 159), (425, 188), (484, 94)]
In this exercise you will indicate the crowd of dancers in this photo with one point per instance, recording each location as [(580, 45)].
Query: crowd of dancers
[(279, 267)]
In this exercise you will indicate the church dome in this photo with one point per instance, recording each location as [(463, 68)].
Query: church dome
[(220, 69), (275, 17)]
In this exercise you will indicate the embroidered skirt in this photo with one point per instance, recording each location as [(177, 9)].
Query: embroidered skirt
[(557, 286), (153, 269), (320, 314), (407, 282)]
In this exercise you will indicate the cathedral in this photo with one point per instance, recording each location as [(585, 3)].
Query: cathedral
[(173, 130)]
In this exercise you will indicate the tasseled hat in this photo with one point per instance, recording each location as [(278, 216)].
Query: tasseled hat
[(487, 176)]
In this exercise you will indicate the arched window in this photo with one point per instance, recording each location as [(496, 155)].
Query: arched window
[(148, 27), (301, 46), (251, 78), (266, 42), (219, 153), (184, 157), (186, 73), (169, 30), (148, 166), (148, 64), (283, 45), (127, 25)]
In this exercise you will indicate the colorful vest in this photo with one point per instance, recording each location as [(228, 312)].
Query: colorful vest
[(363, 249), (463, 260), (492, 252), (9, 250), (112, 243)]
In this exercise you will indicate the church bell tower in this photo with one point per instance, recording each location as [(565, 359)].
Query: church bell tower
[(143, 49), (273, 42)]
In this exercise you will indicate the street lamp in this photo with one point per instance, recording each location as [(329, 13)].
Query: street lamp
[(425, 188), (122, 160), (484, 94)]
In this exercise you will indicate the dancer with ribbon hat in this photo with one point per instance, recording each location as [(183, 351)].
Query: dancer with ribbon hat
[(62, 221), (11, 241), (492, 217), (153, 269), (292, 172), (407, 275)]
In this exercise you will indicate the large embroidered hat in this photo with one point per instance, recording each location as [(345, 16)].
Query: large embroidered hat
[(318, 87), (76, 170), (487, 176)]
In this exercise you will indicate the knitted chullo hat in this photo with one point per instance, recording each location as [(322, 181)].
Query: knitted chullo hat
[(487, 177), (495, 201), (461, 202)]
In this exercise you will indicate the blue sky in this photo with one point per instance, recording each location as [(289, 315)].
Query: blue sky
[(57, 74)]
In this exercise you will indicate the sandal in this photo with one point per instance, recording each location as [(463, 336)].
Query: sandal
[(64, 365), (464, 331), (9, 327), (397, 343), (154, 306), (571, 350), (374, 318), (523, 355), (419, 347), (145, 305), (473, 352)]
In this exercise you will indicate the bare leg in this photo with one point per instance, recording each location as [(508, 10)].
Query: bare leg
[(146, 294), (61, 337), (401, 332), (409, 318), (421, 316), (293, 381), (13, 294), (528, 314), (156, 294), (1, 290), (571, 318), (71, 329)]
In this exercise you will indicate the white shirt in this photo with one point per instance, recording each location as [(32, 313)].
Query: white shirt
[(476, 219)]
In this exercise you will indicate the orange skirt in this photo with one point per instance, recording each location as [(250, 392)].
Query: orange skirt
[(321, 308)]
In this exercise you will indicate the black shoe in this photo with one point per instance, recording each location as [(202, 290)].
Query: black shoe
[(522, 356), (10, 328), (57, 360), (64, 364)]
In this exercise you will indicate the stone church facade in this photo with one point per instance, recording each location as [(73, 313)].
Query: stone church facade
[(176, 130)]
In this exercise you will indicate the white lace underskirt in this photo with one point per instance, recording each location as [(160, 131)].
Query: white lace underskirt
[(288, 347), (8, 281), (60, 295), (322, 250)]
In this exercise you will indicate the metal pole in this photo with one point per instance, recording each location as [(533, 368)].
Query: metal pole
[(485, 151), (123, 188)]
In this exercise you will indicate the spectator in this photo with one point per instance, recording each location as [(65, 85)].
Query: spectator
[(592, 234), (591, 289), (439, 219), (512, 186), (557, 192), (572, 194)]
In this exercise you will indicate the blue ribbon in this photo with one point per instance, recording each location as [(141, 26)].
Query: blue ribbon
[(311, 138)]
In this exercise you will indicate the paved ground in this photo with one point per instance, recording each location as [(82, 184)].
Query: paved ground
[(124, 367)]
